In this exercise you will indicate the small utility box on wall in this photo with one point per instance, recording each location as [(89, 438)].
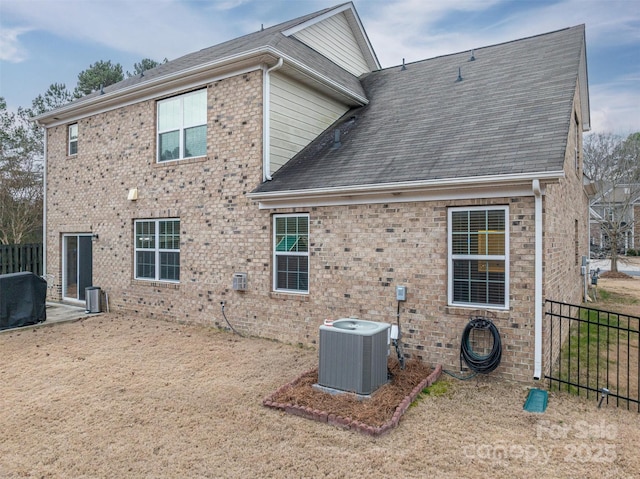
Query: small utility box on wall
[(239, 281)]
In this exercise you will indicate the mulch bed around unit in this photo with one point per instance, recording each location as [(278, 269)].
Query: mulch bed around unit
[(615, 275), (373, 416)]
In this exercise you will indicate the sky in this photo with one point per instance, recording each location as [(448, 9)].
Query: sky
[(52, 41)]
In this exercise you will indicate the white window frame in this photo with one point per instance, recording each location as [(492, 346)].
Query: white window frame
[(277, 254), (452, 257), (182, 127), (73, 128), (156, 249)]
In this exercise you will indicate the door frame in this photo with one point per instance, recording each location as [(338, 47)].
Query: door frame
[(79, 257)]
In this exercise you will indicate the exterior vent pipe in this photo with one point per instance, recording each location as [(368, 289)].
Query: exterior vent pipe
[(336, 140)]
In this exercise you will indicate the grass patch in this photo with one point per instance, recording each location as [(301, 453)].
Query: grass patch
[(611, 299), (596, 352), (437, 389), (605, 295), (616, 299)]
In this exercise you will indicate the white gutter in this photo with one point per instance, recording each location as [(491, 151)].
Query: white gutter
[(323, 79), (537, 352), (405, 186), (198, 73), (266, 119)]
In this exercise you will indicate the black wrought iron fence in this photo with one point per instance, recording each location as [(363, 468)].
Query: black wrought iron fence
[(15, 258), (594, 352)]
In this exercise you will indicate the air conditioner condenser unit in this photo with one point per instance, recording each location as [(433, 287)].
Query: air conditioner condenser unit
[(353, 355)]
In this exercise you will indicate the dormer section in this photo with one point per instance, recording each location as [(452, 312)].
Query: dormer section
[(339, 36), (298, 115)]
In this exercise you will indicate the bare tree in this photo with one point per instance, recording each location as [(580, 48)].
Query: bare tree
[(20, 177), (613, 164)]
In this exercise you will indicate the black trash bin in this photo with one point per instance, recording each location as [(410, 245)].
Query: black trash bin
[(92, 299)]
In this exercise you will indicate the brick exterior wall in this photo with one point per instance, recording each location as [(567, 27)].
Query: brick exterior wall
[(566, 233), (358, 253)]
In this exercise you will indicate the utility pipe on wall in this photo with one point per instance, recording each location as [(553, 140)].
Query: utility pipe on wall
[(44, 204), (266, 140), (537, 352)]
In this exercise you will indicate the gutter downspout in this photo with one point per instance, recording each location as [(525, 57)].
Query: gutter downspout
[(44, 204), (266, 119), (537, 353)]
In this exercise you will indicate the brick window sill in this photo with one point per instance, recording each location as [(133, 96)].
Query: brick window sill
[(183, 161), (303, 298), (155, 284)]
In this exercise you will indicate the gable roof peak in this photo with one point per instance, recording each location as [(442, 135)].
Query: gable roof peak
[(263, 45)]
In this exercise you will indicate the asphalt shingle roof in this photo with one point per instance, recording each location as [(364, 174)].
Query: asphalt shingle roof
[(510, 114), (269, 37)]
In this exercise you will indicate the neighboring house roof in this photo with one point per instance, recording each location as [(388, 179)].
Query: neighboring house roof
[(264, 46), (509, 115), (619, 194)]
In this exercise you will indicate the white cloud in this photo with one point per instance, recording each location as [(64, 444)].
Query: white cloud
[(614, 106), (10, 48), (149, 28), (416, 30), (410, 29), (228, 4)]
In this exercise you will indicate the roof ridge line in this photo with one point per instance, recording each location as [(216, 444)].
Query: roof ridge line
[(486, 46)]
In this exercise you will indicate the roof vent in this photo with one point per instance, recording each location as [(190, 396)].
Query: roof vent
[(459, 75), (101, 89), (473, 57), (336, 140), (404, 67)]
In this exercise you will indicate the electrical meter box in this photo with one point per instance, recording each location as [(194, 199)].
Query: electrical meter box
[(401, 293)]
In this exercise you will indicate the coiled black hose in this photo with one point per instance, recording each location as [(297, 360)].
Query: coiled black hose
[(481, 363)]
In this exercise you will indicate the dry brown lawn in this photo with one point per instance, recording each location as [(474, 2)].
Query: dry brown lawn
[(113, 396)]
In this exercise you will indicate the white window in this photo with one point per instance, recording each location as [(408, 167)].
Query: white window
[(182, 126), (157, 250), (478, 240), (291, 253), (73, 139)]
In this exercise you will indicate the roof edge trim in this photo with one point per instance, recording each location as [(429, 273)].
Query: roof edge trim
[(408, 187), (346, 7), (583, 84), (309, 72), (112, 100), (301, 26)]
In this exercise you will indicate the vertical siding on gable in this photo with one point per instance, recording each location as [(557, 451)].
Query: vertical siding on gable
[(334, 39), (298, 115)]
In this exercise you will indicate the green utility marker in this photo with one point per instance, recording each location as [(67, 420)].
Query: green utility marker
[(536, 401)]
